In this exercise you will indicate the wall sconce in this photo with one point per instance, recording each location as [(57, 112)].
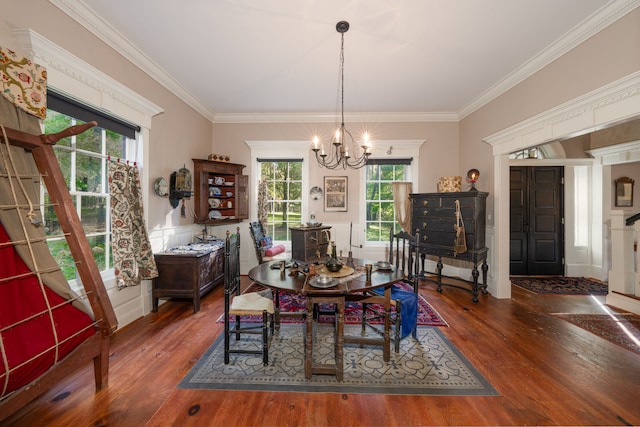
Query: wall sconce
[(179, 186), (473, 176)]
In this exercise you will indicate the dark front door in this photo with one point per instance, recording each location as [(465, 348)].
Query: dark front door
[(537, 232)]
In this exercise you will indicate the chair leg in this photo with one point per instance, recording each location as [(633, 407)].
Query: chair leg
[(265, 339), (237, 328), (364, 318), (397, 331), (226, 341)]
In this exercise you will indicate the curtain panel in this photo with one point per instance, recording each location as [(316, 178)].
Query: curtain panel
[(402, 204), (132, 255)]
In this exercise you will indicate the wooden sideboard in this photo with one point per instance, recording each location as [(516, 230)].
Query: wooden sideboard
[(434, 216), (188, 273), (309, 244)]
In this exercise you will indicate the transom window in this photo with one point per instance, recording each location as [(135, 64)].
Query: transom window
[(380, 211), (283, 179)]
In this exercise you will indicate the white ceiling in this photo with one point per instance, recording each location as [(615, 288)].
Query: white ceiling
[(235, 58)]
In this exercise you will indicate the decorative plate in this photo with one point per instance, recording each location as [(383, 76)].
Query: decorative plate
[(160, 187), (316, 282), (315, 193)]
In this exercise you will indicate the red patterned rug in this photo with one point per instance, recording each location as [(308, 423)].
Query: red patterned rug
[(619, 328), (427, 315), (561, 285)]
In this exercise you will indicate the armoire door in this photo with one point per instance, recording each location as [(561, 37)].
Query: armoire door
[(536, 215)]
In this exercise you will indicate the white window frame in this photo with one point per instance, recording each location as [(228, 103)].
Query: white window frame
[(77, 79), (389, 149), (275, 150)]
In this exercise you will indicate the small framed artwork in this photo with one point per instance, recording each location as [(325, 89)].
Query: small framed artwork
[(624, 192), (335, 193)]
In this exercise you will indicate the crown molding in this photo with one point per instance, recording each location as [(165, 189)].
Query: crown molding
[(85, 16), (71, 75), (81, 13), (599, 20), (612, 103), (335, 118)]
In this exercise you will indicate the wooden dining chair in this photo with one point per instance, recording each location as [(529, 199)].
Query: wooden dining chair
[(237, 304), (263, 255), (265, 251), (403, 255)]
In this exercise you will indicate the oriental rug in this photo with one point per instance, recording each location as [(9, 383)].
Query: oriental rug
[(561, 285), (289, 302), (622, 329), (431, 365)]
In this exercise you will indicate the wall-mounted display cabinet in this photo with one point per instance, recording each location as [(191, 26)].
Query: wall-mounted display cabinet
[(220, 192)]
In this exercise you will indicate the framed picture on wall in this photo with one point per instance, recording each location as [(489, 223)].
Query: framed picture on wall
[(335, 193), (624, 192)]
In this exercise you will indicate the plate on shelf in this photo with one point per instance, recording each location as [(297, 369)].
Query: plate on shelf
[(229, 184), (323, 282)]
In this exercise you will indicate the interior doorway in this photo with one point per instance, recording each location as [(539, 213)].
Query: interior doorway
[(536, 220)]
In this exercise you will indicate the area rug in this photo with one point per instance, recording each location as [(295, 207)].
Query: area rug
[(431, 365), (560, 285), (289, 302), (622, 329)]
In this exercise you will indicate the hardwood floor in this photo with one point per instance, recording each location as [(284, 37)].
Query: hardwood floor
[(547, 371)]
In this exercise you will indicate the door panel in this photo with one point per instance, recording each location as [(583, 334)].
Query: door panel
[(519, 220), (537, 234)]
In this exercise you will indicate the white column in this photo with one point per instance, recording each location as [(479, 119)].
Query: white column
[(622, 273)]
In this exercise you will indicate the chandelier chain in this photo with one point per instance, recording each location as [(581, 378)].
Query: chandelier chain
[(338, 153)]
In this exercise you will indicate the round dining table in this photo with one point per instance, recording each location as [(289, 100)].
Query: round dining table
[(349, 284)]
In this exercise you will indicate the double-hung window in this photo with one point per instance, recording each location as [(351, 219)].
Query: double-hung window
[(380, 211), (83, 161), (284, 186)]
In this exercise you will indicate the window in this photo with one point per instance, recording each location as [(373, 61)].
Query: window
[(581, 205), (380, 211), (83, 161), (284, 195)]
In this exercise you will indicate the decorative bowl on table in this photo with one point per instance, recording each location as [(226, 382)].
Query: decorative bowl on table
[(333, 265), (383, 265)]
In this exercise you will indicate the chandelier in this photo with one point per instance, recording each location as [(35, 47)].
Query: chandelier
[(343, 152)]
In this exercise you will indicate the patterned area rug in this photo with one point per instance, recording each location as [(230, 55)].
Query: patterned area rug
[(429, 366), (427, 315), (561, 285), (619, 328)]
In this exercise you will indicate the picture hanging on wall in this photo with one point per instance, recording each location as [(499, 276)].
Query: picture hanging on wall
[(335, 193)]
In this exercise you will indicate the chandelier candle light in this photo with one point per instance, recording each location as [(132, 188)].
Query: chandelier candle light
[(339, 155)]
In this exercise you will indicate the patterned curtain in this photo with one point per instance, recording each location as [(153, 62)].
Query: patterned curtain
[(402, 203), (132, 256), (23, 83), (262, 203)]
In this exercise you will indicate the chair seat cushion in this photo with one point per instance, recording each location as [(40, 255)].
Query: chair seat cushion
[(252, 301), (408, 308), (274, 250)]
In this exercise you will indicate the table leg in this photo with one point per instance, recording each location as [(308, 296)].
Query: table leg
[(308, 342), (386, 349), (277, 310), (474, 290), (439, 268), (485, 269), (340, 339)]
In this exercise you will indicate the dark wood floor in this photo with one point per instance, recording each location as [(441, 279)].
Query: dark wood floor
[(547, 371)]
